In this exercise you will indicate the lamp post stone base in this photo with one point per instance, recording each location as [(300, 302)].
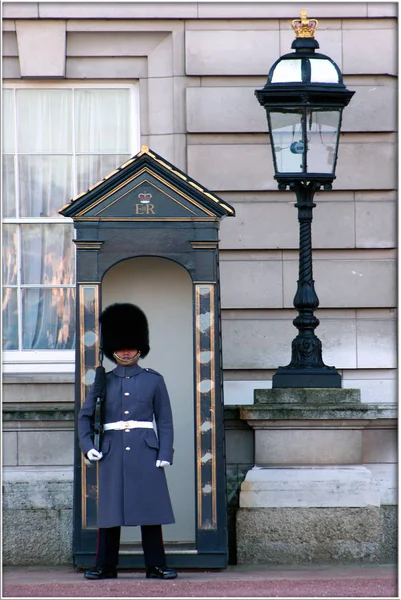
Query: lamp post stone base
[(324, 484), (306, 378)]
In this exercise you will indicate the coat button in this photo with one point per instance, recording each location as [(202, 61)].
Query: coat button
[(126, 412), (126, 393), (127, 377), (127, 431), (128, 448)]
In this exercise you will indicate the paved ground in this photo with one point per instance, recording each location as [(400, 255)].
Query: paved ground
[(368, 581)]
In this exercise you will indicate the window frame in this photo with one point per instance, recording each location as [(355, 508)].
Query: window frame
[(59, 361)]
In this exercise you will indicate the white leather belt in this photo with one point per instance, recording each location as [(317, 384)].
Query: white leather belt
[(128, 425)]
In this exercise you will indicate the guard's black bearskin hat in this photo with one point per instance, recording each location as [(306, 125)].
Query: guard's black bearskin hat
[(124, 326)]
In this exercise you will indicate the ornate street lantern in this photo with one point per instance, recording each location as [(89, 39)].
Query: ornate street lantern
[(304, 98)]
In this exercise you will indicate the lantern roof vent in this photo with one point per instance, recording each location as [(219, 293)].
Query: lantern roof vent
[(304, 77), (305, 65)]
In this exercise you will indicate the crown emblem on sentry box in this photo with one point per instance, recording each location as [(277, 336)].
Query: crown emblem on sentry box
[(145, 197)]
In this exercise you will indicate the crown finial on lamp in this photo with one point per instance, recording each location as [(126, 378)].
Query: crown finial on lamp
[(304, 27)]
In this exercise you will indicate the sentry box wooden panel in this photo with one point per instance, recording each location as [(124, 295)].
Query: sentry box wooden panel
[(149, 208)]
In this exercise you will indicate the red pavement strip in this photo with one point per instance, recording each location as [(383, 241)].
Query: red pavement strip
[(372, 581)]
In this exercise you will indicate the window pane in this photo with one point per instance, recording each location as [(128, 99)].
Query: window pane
[(48, 319), (102, 121), (48, 254), (9, 249), (91, 169), (8, 186), (45, 184), (10, 319), (8, 124), (44, 120)]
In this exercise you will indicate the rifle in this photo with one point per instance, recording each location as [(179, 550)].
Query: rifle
[(100, 393)]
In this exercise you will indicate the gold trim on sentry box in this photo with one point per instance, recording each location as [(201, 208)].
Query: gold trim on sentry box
[(83, 288), (145, 150), (132, 178), (211, 289), (153, 219)]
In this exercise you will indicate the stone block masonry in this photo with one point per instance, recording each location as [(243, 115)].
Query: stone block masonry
[(308, 535), (37, 516)]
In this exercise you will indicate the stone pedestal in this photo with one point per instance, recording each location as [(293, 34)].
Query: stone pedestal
[(325, 467)]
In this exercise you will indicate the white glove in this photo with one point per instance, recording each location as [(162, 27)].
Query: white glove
[(162, 463), (94, 454)]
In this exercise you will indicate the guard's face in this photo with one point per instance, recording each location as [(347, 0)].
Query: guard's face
[(125, 356)]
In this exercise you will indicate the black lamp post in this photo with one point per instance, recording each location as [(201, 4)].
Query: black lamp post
[(304, 98)]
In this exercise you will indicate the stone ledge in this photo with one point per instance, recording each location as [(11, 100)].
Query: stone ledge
[(231, 412), (19, 378), (342, 411), (37, 495), (306, 487), (307, 396), (327, 424), (193, 11), (34, 474), (38, 412), (232, 419)]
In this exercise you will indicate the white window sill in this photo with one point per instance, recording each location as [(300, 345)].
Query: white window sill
[(40, 361)]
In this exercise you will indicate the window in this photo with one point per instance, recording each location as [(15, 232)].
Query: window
[(58, 140)]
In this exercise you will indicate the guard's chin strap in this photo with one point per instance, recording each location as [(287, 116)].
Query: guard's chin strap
[(127, 361)]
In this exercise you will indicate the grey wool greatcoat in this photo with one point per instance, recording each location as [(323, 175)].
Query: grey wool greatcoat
[(131, 489)]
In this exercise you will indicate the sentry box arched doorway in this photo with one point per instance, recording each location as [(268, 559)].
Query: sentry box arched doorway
[(148, 234)]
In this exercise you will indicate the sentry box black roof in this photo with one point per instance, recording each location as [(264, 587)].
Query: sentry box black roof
[(147, 187)]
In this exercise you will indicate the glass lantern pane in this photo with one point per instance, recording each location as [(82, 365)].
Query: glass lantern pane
[(322, 129), (323, 71), (288, 70), (287, 144)]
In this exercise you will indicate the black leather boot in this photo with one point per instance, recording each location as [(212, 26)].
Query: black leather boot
[(160, 573), (101, 573)]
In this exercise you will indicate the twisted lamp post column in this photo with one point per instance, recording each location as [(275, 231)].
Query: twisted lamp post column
[(306, 366), (306, 347)]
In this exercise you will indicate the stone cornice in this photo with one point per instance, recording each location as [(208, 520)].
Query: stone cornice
[(38, 412)]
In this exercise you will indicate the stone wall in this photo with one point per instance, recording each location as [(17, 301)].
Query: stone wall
[(38, 441), (198, 65), (317, 535), (37, 516)]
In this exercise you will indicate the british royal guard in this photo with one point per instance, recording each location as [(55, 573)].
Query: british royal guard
[(132, 485)]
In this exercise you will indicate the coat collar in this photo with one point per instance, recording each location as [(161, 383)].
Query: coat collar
[(130, 371)]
